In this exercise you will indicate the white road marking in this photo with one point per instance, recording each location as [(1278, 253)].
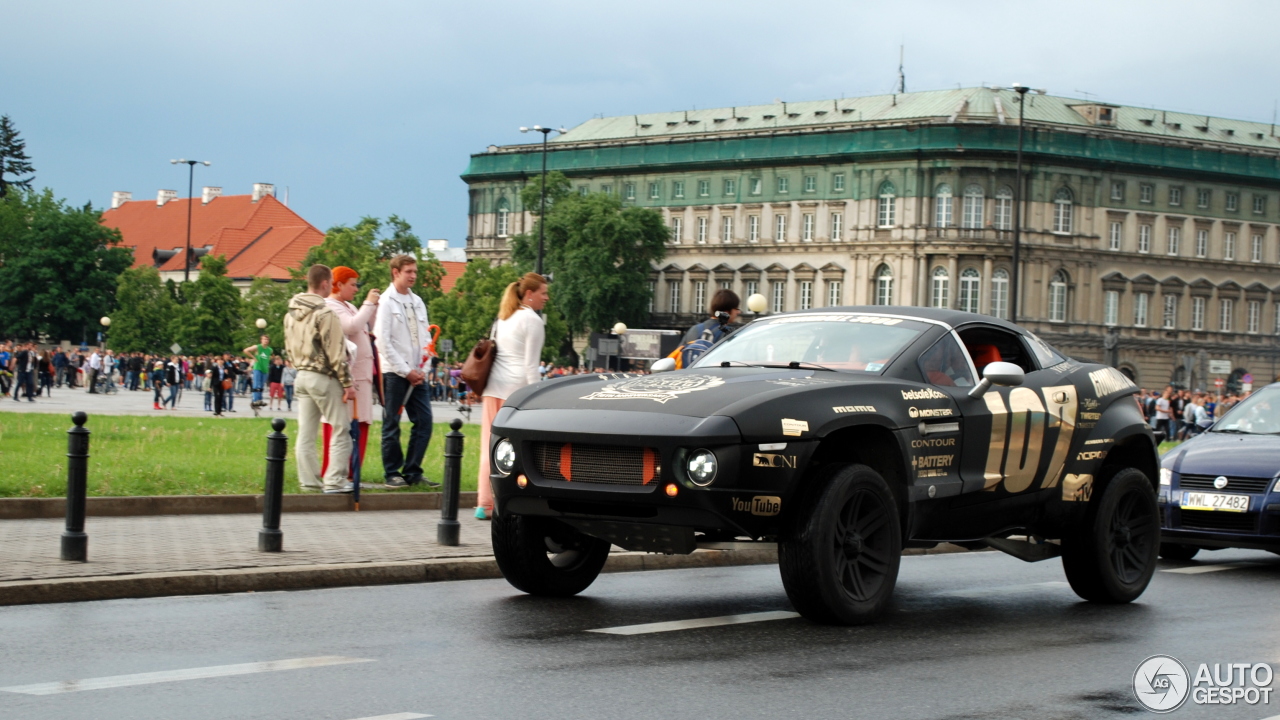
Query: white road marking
[(396, 716), (1007, 590), (1198, 569), (697, 623), (114, 681)]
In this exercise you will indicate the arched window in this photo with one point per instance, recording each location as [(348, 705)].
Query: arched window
[(1004, 208), (884, 285), (887, 210), (971, 212), (942, 207), (970, 280), (1058, 297), (504, 218), (940, 288), (1062, 211), (1000, 294)]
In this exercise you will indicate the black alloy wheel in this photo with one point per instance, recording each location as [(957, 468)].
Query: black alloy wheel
[(839, 562), (543, 556), (1112, 556)]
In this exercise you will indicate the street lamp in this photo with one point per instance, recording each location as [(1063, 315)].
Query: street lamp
[(1022, 91), (106, 325), (191, 176), (542, 213)]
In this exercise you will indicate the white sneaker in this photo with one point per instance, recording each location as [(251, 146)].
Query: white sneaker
[(343, 488)]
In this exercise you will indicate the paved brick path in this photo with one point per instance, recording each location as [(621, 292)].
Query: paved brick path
[(174, 543)]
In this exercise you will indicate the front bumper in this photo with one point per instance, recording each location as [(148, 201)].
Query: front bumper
[(1258, 529), (750, 492)]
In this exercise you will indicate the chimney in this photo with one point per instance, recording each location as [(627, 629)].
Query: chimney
[(261, 190), (165, 196), (119, 198), (207, 194)]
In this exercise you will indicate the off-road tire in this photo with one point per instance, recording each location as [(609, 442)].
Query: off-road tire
[(1112, 556), (839, 559), (1175, 551), (543, 556)]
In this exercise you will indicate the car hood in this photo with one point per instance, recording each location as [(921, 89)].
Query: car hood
[(694, 393), (1227, 454)]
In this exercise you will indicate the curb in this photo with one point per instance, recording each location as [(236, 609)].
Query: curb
[(38, 508), (312, 577)]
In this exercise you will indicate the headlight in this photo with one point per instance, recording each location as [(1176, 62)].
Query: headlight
[(1277, 487), (702, 467), (1166, 476), (504, 456)]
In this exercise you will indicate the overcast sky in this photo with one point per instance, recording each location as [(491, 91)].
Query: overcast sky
[(373, 107)]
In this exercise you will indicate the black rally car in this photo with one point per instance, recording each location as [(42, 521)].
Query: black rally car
[(844, 435)]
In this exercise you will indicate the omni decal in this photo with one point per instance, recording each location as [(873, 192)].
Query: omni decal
[(658, 389)]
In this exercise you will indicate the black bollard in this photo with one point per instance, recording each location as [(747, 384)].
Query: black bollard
[(447, 529), (75, 543), (270, 539)]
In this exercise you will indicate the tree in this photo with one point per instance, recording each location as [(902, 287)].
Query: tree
[(144, 312), (558, 188), (467, 312), (58, 267), (269, 300), (365, 249), (209, 321), (13, 158), (600, 254)]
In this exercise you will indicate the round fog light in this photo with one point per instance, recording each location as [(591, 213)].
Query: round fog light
[(672, 489), (702, 467), (521, 480), (504, 456)]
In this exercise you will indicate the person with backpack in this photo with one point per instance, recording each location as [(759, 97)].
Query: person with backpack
[(700, 337)]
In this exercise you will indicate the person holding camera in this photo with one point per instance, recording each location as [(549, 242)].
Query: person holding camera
[(724, 311)]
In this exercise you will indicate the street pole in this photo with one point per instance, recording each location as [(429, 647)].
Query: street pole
[(191, 186), (542, 207), (1017, 208)]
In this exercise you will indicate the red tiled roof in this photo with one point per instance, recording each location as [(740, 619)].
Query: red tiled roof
[(258, 239), (452, 271)]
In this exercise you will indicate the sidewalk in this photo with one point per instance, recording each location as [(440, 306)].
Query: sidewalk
[(69, 400), (198, 554)]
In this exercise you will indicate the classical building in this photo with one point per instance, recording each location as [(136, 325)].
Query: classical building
[(1149, 238)]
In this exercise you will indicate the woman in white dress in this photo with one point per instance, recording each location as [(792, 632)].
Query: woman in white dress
[(520, 334)]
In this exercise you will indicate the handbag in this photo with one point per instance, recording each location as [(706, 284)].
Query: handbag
[(475, 371), (226, 384)]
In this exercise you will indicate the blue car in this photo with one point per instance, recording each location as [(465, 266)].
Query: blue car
[(1221, 488)]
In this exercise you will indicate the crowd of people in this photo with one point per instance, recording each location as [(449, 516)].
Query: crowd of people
[(1182, 414)]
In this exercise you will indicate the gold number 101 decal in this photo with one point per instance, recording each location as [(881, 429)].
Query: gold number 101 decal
[(1018, 433)]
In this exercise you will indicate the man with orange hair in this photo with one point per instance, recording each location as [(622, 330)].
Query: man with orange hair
[(356, 325)]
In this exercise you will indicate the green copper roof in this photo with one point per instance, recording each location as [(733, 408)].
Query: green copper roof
[(968, 105)]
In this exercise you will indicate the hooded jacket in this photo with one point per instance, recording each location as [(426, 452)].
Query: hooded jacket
[(314, 339)]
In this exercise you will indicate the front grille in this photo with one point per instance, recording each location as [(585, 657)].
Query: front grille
[(1234, 484), (606, 464), (1221, 521)]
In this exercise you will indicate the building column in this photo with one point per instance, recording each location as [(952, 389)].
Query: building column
[(984, 286), (953, 275)]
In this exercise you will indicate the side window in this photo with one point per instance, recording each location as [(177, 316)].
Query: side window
[(945, 364), (988, 344)]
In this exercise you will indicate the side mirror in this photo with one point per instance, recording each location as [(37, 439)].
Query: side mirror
[(998, 373), (664, 365)]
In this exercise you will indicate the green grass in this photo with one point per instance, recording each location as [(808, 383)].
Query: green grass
[(133, 455)]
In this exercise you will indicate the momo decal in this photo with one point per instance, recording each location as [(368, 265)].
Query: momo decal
[(933, 442), (925, 394), (771, 460), (1018, 433), (794, 427), (916, 412), (763, 505), (1077, 488), (853, 408), (659, 389), (1109, 380)]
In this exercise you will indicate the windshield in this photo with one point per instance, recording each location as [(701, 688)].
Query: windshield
[(1258, 414), (843, 341)]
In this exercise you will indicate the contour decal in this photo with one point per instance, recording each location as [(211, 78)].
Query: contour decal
[(660, 389), (771, 460), (933, 442), (794, 427)]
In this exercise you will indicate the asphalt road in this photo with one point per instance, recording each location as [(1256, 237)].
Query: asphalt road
[(978, 635)]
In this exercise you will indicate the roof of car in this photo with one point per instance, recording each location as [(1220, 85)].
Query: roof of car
[(954, 318)]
